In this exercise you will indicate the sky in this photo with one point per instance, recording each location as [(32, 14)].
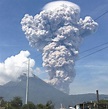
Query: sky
[(91, 71)]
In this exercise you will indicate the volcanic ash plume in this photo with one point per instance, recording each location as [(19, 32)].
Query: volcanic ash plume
[(57, 32)]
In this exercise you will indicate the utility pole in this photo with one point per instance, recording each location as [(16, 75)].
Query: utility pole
[(97, 94), (27, 82)]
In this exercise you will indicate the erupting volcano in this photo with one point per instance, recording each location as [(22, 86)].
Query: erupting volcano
[(57, 31)]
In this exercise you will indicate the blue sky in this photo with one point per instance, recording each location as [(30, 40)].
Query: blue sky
[(91, 72)]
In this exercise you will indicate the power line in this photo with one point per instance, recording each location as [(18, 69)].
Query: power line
[(93, 53), (101, 15), (98, 45), (93, 48)]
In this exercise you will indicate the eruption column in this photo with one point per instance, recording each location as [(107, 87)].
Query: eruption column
[(57, 32)]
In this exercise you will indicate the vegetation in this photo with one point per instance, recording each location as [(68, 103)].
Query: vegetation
[(30, 105), (16, 103), (103, 101)]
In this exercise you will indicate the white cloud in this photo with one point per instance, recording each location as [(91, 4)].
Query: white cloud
[(14, 66), (38, 71), (56, 4)]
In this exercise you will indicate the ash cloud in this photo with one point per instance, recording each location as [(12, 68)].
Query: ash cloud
[(57, 32)]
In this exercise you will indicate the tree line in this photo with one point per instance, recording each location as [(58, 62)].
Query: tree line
[(17, 103)]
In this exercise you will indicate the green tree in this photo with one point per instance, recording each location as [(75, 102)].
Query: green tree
[(103, 101), (30, 105), (49, 105), (16, 103), (2, 102), (40, 106), (5, 104)]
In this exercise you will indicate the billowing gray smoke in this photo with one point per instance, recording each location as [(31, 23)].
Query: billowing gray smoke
[(57, 32)]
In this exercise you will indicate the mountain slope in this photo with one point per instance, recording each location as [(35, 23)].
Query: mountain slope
[(41, 92)]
